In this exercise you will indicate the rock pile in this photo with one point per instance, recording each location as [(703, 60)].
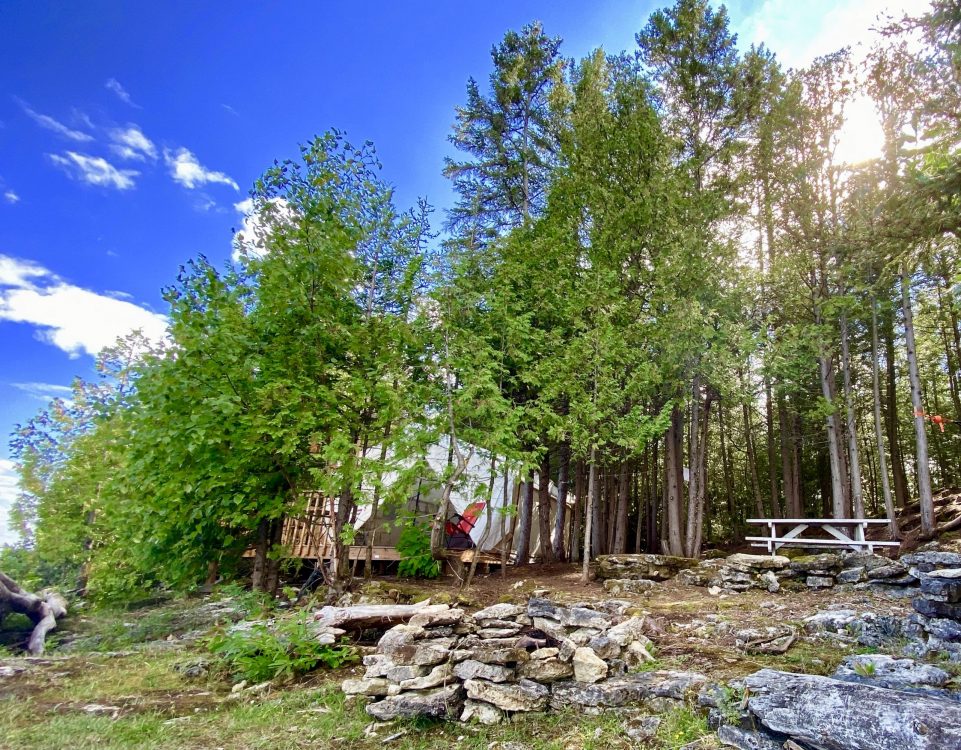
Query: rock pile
[(936, 624), (504, 659)]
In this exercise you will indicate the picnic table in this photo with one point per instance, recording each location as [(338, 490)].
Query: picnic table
[(846, 533)]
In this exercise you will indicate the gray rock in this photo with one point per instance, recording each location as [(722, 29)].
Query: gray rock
[(500, 632), (748, 739), (621, 586), (950, 573), (891, 570), (588, 666), (482, 713), (652, 567), (641, 728), (886, 671), (439, 675), (829, 714), (436, 615), (440, 703), (941, 589), (830, 620), (500, 655), (770, 582), (472, 669), (821, 562), (627, 690), (566, 649), (930, 608), (770, 640), (544, 653), (932, 560), (944, 629), (866, 560), (523, 695), (583, 636), (546, 670), (402, 672), (632, 629), (376, 686), (750, 563), (500, 612), (604, 647), (819, 582), (853, 575)]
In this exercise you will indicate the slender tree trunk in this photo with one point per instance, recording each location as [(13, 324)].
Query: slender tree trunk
[(524, 523), (752, 461), (589, 516), (789, 463), (580, 502), (598, 528), (698, 470), (857, 494), (673, 482), (653, 503), (544, 510), (623, 506), (923, 471), (257, 576), (902, 495), (726, 465), (560, 519), (772, 454), (878, 434), (834, 450)]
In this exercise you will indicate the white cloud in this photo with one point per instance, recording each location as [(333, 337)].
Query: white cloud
[(259, 220), (189, 172), (130, 143), (800, 31), (11, 197), (113, 85), (72, 318), (94, 170), (47, 122), (45, 391), (9, 491)]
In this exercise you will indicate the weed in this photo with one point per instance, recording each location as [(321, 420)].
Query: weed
[(291, 649), (681, 726), (865, 668)]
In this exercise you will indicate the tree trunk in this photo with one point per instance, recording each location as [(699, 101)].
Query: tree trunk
[(772, 452), (857, 494), (902, 495), (923, 471), (589, 516), (560, 519), (544, 509), (258, 574), (580, 502), (834, 449), (697, 488), (43, 613), (673, 483), (789, 464), (524, 522), (882, 459), (752, 461), (623, 506)]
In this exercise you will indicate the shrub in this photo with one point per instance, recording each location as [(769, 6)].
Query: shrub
[(288, 650), (416, 560)]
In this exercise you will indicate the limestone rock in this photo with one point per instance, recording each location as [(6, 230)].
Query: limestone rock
[(770, 582), (930, 608), (893, 569), (824, 561), (523, 695), (888, 672), (439, 675), (500, 612), (853, 575), (545, 653), (944, 629), (819, 582), (629, 689), (653, 567), (440, 703), (376, 686), (641, 728), (436, 615), (546, 670), (942, 589), (750, 563), (932, 560), (830, 620), (632, 629), (482, 713), (621, 586), (747, 739), (472, 669), (604, 647), (588, 666), (499, 655)]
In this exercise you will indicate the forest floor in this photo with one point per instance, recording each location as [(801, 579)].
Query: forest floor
[(119, 679)]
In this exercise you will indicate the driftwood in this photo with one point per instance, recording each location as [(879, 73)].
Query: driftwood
[(43, 612), (366, 616)]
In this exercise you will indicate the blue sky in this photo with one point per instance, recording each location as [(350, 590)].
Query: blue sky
[(129, 132)]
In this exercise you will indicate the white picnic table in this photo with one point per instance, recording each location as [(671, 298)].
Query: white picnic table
[(846, 533)]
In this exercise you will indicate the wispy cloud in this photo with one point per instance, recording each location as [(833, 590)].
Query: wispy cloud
[(9, 491), (189, 172), (49, 123), (230, 109), (129, 142), (11, 197), (94, 170), (72, 318), (45, 391), (260, 219), (115, 86)]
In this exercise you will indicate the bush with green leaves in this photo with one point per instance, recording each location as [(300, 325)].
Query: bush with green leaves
[(416, 560), (285, 650)]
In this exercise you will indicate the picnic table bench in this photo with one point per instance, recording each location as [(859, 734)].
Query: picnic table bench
[(846, 533)]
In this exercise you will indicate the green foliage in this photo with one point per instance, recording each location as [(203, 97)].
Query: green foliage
[(285, 650), (681, 726), (865, 668), (416, 560)]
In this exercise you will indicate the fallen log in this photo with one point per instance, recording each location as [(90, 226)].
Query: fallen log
[(42, 611), (829, 714), (364, 616)]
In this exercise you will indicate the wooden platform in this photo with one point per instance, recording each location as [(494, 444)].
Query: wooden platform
[(355, 552)]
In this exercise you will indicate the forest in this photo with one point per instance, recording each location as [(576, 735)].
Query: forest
[(661, 286)]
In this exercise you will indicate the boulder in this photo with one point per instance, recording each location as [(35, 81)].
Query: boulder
[(750, 563), (824, 561), (941, 589), (588, 666), (944, 629), (828, 714), (651, 567), (523, 695), (441, 703)]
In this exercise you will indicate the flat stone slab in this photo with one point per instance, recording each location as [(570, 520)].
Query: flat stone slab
[(828, 714), (650, 567), (441, 703), (626, 690)]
